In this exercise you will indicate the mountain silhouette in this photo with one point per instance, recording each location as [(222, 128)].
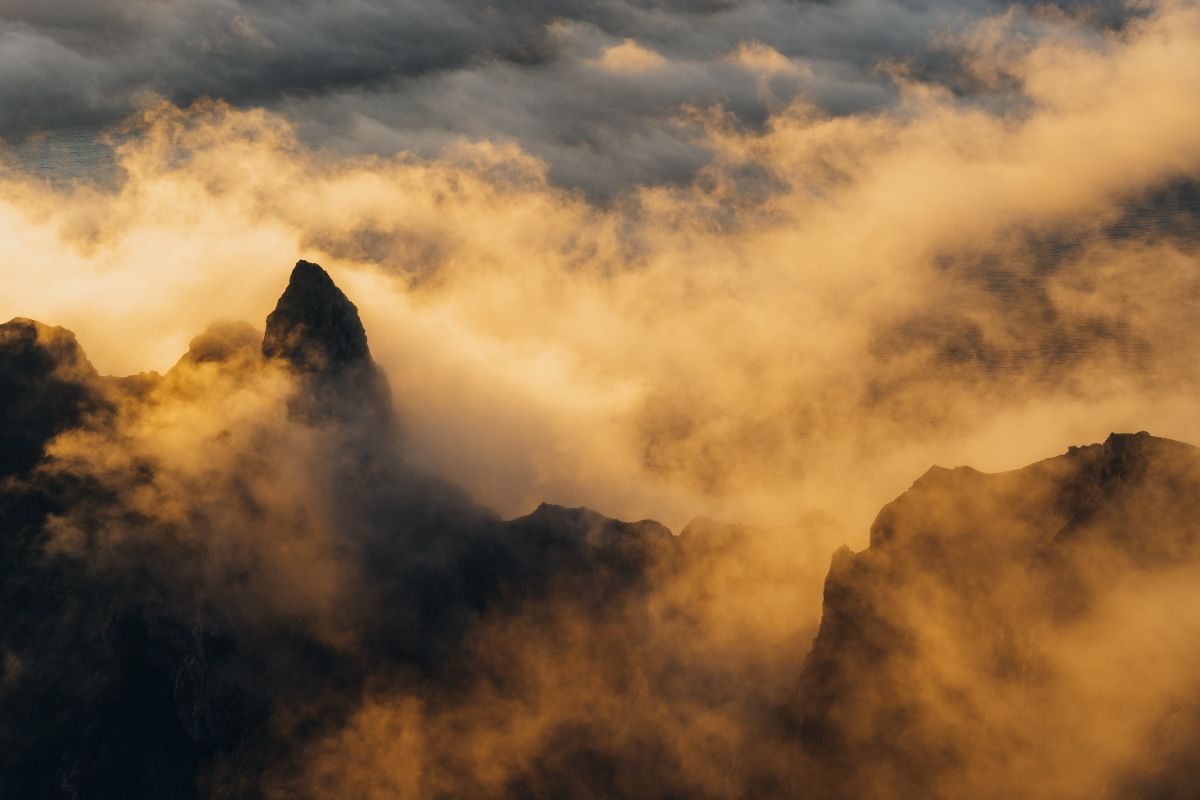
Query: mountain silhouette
[(208, 576), (125, 675), (47, 384), (971, 578), (315, 327)]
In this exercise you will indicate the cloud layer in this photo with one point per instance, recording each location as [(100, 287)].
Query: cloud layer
[(832, 303), (813, 257), (592, 88)]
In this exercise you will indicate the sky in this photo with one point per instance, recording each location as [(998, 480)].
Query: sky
[(763, 262), (595, 89), (753, 260)]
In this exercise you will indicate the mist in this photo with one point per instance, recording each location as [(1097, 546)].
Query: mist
[(664, 304), (831, 305)]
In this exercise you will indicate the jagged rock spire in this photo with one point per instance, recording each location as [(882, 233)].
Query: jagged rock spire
[(316, 330), (314, 326)]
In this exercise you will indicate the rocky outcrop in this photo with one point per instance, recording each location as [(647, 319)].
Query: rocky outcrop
[(968, 580), (148, 653), (47, 385), (315, 330), (315, 327), (183, 629)]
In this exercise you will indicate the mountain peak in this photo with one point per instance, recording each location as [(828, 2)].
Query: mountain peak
[(314, 326), (47, 385), (34, 347)]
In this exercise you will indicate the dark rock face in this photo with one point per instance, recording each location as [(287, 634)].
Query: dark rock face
[(123, 674), (315, 327), (617, 555), (299, 564), (46, 386), (81, 701), (969, 581)]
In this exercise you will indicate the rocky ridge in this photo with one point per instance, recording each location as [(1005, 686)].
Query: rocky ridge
[(188, 653)]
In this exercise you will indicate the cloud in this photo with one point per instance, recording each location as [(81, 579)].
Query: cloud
[(936, 281), (822, 302), (628, 57), (758, 57), (372, 76), (985, 644), (310, 602)]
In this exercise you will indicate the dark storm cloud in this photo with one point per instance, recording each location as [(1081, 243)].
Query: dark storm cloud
[(373, 76), (248, 52)]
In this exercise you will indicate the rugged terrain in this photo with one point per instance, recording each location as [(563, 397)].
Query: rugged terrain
[(1017, 634), (225, 581)]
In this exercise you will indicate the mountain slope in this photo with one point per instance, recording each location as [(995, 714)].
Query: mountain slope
[(201, 572), (941, 667), (225, 581)]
